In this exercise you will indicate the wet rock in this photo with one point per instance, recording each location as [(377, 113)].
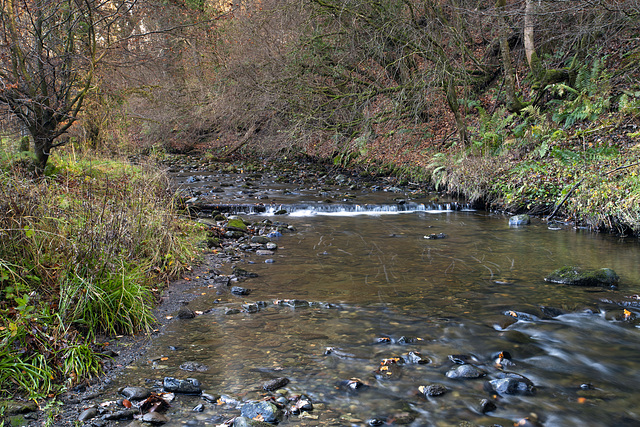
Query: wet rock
[(240, 272), (199, 408), (487, 405), (383, 340), (275, 384), (435, 236), (519, 315), (264, 252), (502, 360), (230, 311), (511, 383), (126, 414), (576, 276), (530, 421), (186, 313), (135, 393), (247, 422), (467, 371), (194, 367), (433, 390), (403, 418), (302, 404), (250, 307), (265, 411), (221, 281), (13, 407), (263, 240), (292, 302), (519, 220), (209, 397), (352, 385), (463, 359), (376, 422), (551, 311), (88, 414), (338, 353), (408, 340), (414, 357), (238, 290), (155, 418), (188, 386), (391, 371), (237, 224), (274, 234), (271, 246)]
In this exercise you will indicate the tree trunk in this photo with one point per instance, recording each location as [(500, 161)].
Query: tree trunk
[(42, 147), (452, 100), (513, 102), (529, 45)]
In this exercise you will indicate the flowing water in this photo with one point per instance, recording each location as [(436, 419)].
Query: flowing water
[(368, 258)]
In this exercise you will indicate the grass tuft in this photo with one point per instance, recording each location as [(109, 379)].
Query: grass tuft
[(83, 251)]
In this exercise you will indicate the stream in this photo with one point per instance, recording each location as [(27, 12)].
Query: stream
[(369, 280)]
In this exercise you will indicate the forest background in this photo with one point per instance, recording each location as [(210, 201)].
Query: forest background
[(523, 106)]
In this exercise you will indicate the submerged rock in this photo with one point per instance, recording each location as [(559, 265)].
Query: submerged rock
[(194, 367), (391, 371), (435, 236), (237, 290), (188, 386), (275, 384), (241, 272), (433, 390), (518, 220), (487, 405), (264, 411), (352, 385), (186, 313), (577, 276)]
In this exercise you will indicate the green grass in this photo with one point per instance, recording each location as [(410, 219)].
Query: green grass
[(83, 252)]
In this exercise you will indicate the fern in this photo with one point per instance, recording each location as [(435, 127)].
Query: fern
[(589, 98)]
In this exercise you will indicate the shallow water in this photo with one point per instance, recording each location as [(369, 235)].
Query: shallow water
[(387, 280)]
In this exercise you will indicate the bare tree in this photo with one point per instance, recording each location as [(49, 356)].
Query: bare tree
[(49, 50)]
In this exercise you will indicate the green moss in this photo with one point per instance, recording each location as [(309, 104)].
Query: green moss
[(577, 276), (237, 224)]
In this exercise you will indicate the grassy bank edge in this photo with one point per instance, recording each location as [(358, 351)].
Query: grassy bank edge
[(84, 251)]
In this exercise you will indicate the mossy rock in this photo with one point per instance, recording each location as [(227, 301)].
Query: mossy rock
[(12, 407), (576, 276), (236, 224)]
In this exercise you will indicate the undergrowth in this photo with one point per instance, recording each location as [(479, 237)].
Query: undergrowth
[(83, 251)]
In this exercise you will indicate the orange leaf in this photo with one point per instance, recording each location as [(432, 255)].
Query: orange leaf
[(126, 403)]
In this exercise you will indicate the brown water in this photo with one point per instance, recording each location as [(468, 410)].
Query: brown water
[(452, 293)]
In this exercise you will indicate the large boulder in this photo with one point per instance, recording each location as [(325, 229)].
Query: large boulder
[(577, 276)]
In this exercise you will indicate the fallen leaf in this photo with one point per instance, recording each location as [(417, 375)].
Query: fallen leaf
[(126, 403)]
